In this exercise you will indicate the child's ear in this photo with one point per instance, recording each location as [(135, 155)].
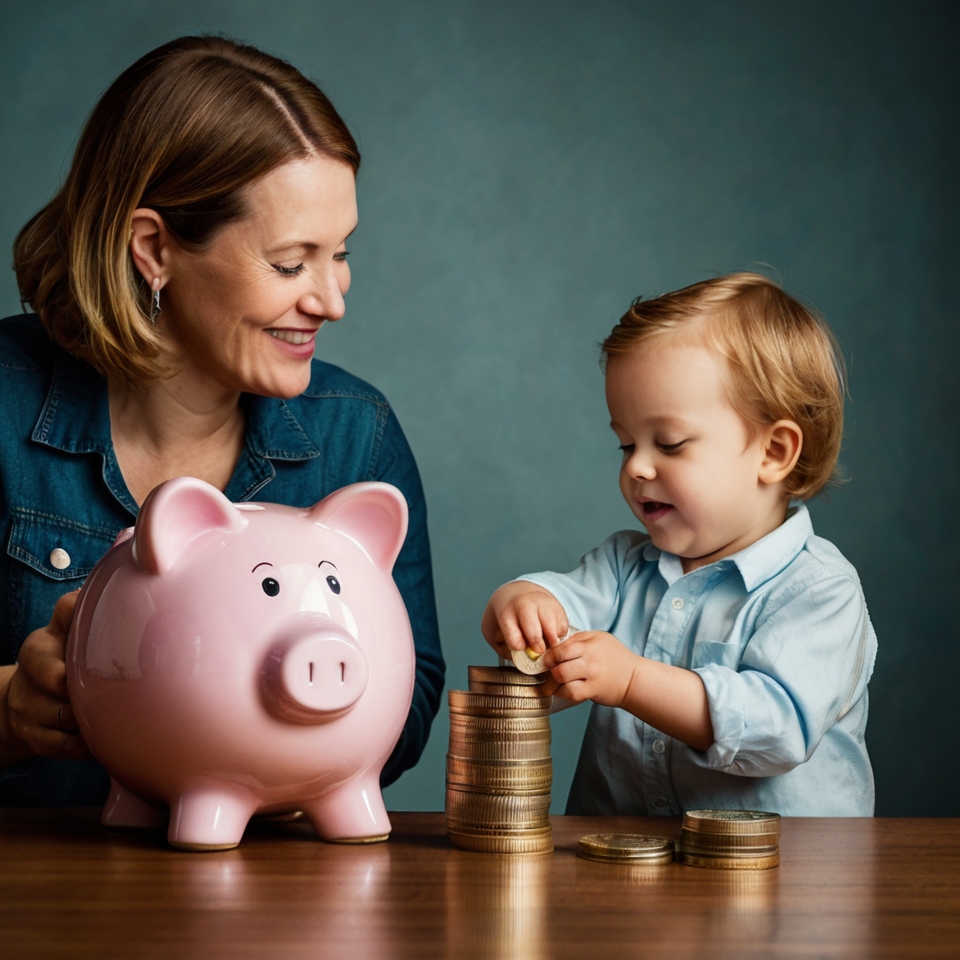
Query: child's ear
[(783, 442)]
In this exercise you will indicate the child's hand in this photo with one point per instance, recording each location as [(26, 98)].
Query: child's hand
[(521, 614), (591, 665)]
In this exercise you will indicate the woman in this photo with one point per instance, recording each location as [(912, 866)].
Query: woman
[(179, 279)]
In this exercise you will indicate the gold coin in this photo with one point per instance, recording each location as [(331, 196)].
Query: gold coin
[(506, 689), (509, 675), (739, 822), (485, 844), (719, 842), (733, 853), (729, 863), (491, 810), (466, 703), (526, 661), (482, 751), (524, 725), (524, 777), (536, 828), (621, 847)]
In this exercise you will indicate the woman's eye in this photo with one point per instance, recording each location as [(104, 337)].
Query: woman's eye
[(270, 587), (334, 584), (288, 271), (341, 256)]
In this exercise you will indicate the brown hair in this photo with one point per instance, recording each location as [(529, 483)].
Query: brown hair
[(183, 131), (785, 362)]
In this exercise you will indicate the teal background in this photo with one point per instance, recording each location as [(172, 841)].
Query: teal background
[(531, 167)]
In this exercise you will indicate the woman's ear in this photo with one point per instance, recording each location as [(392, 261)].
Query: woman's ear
[(783, 442), (149, 246)]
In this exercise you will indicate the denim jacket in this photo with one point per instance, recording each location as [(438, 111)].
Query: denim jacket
[(61, 490)]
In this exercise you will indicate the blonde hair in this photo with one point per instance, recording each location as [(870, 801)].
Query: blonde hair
[(182, 131), (785, 362)]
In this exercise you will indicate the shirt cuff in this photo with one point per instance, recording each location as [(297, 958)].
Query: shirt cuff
[(727, 703)]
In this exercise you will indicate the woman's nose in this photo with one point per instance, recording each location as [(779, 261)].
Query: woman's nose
[(325, 300)]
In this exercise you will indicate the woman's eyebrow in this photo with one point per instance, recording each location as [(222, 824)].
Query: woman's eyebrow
[(292, 245)]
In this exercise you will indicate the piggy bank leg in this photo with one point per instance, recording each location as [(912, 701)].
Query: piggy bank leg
[(210, 815), (126, 811), (352, 813)]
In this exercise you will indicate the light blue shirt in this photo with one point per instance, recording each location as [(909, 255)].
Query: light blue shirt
[(781, 637)]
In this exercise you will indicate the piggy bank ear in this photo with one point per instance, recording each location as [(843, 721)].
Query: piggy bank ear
[(372, 514), (175, 514)]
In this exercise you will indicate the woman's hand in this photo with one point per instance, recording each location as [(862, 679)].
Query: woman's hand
[(520, 615), (35, 713)]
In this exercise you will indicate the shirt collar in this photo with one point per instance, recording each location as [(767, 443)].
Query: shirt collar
[(76, 417), (756, 563)]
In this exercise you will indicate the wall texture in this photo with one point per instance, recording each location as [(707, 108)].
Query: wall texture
[(529, 168)]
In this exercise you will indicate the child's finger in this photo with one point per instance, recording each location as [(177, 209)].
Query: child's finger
[(575, 691), (512, 630), (554, 626), (568, 650), (569, 671), (529, 618)]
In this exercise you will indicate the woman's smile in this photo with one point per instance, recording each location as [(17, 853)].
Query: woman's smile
[(296, 337)]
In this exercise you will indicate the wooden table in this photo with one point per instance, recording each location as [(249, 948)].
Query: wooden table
[(845, 888)]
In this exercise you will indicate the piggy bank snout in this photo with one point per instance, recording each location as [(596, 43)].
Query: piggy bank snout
[(314, 676)]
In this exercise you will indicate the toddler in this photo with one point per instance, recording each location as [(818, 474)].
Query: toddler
[(726, 651)]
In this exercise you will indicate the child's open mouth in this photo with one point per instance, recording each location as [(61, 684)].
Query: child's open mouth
[(654, 510)]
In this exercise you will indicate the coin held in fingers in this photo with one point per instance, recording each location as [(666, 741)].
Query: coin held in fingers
[(528, 661)]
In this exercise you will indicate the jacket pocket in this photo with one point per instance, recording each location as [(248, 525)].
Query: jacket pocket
[(50, 556)]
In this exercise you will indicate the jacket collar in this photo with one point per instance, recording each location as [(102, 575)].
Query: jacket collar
[(76, 418)]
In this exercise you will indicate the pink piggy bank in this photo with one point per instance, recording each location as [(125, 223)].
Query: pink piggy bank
[(232, 659)]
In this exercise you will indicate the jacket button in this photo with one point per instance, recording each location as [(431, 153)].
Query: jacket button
[(59, 558)]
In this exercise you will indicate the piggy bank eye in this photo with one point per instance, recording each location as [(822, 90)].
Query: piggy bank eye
[(334, 584), (270, 587)]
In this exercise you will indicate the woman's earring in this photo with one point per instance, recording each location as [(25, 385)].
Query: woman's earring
[(155, 310)]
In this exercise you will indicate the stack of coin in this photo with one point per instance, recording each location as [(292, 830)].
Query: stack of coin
[(730, 839), (499, 770), (626, 848)]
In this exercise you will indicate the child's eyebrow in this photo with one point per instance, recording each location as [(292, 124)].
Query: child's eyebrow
[(663, 421), (668, 421)]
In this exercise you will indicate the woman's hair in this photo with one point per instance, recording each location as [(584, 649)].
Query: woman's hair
[(785, 362), (183, 131)]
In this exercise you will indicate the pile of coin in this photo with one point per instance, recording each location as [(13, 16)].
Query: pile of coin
[(730, 839), (499, 770), (626, 848)]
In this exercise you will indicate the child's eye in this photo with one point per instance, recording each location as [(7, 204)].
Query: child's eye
[(671, 447), (626, 448), (287, 271), (341, 256)]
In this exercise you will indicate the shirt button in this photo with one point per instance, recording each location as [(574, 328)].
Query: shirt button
[(659, 746), (59, 558), (676, 603)]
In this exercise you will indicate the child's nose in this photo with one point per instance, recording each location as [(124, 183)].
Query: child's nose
[(640, 465)]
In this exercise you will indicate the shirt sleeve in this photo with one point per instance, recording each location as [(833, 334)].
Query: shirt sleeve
[(413, 576), (803, 667), (590, 594)]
